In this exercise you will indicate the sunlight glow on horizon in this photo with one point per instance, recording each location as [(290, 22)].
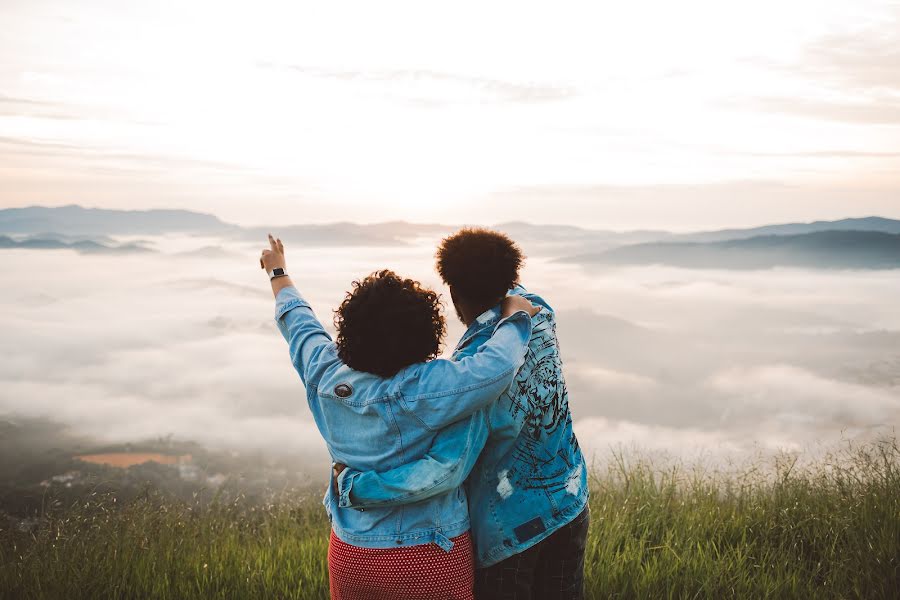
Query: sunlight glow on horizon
[(655, 114)]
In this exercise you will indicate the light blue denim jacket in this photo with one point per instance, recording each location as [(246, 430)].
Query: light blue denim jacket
[(523, 469), (381, 423)]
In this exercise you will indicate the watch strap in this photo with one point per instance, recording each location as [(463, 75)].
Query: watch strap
[(277, 272)]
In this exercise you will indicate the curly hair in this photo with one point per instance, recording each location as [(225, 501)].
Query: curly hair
[(386, 323), (480, 265)]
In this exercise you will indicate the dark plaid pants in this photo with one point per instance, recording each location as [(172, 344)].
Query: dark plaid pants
[(552, 569)]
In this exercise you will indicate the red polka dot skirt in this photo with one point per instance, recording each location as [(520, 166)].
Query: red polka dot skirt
[(421, 572)]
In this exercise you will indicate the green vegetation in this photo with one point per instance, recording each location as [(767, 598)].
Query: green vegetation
[(829, 530)]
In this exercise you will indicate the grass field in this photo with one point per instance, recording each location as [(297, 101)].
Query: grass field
[(828, 530)]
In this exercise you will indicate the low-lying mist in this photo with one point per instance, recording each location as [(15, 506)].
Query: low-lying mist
[(716, 363)]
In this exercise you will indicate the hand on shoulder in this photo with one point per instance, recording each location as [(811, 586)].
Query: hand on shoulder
[(513, 304)]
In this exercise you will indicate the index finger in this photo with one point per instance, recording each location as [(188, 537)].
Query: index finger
[(272, 243)]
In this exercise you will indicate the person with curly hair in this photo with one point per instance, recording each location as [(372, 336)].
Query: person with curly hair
[(379, 397), (524, 473)]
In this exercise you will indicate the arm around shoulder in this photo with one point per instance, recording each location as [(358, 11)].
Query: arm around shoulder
[(443, 468), (445, 391)]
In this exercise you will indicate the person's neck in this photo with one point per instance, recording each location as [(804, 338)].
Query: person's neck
[(470, 314)]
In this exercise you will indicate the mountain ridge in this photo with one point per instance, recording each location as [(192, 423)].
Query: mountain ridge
[(829, 249), (80, 245), (74, 218), (77, 219)]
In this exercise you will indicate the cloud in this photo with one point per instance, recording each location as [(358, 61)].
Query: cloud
[(109, 157), (785, 397), (19, 101), (28, 107), (36, 144), (744, 354), (874, 111), (78, 159), (857, 74), (117, 418), (867, 59), (125, 348), (124, 360), (755, 410), (600, 436), (419, 85), (821, 154)]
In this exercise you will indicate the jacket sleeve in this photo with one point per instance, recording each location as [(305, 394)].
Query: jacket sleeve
[(444, 468), (303, 332), (442, 392)]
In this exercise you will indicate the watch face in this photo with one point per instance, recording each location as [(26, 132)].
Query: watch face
[(278, 271)]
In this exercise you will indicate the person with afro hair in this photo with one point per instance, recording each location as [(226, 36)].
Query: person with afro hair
[(524, 473), (479, 266)]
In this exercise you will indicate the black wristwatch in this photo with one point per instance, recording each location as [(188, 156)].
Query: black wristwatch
[(276, 272)]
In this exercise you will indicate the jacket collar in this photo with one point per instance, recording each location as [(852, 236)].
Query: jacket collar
[(488, 318)]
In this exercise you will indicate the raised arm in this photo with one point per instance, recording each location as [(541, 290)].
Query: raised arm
[(444, 391), (296, 321)]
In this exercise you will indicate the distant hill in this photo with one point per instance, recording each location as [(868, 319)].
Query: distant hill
[(64, 223), (569, 238), (74, 219), (71, 223), (861, 224), (63, 237), (819, 250), (83, 245)]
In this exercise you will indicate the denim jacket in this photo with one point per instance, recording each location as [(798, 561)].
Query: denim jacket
[(381, 423), (523, 469)]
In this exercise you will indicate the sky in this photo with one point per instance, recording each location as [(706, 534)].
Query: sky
[(645, 114)]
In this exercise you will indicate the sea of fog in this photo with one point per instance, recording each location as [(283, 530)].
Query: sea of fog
[(686, 363)]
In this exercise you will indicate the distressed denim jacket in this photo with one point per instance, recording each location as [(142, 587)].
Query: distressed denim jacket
[(381, 423), (523, 469)]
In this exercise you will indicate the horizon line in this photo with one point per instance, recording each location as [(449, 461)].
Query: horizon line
[(439, 224)]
